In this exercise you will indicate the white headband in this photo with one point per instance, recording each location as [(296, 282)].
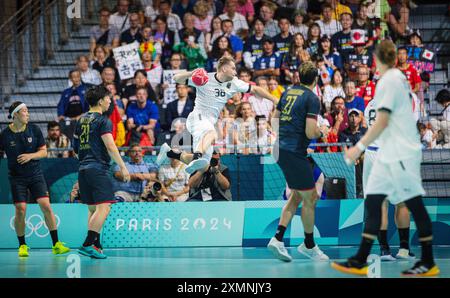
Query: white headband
[(18, 108)]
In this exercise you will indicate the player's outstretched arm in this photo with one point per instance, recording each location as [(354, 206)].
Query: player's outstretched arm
[(261, 92), (182, 76), (114, 153)]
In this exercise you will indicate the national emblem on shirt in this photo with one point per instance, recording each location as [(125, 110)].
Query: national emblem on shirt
[(30, 139)]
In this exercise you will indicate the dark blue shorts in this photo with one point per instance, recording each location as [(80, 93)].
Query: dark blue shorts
[(96, 186), (36, 186), (297, 170)]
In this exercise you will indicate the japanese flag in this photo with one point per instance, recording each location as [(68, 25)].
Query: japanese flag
[(428, 55), (358, 37)]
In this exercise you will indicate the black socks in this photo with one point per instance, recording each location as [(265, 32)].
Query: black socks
[(364, 250), (404, 238), (54, 235), (21, 240), (309, 240), (382, 239), (280, 233), (91, 236)]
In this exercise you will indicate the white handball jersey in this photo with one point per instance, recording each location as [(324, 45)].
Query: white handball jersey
[(212, 97), (400, 140)]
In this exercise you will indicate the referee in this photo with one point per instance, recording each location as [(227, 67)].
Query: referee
[(24, 146), (298, 110)]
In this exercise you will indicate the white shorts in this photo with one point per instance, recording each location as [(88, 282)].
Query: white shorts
[(400, 180), (198, 125)]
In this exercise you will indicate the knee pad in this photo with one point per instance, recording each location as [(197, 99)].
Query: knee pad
[(372, 213)]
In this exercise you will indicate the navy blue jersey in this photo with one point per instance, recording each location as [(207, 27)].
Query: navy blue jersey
[(282, 44), (254, 46), (295, 105), (15, 144), (91, 150)]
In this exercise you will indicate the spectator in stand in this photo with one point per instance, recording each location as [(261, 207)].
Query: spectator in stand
[(175, 63), (121, 19), (341, 41), (116, 98), (244, 132), (359, 56), (88, 76), (240, 26), (408, 69), (180, 107), (269, 63), (365, 87), (275, 88), (312, 43), (211, 183), (181, 7), (338, 9), (338, 116), (355, 131), (213, 34), (352, 100), (266, 137), (267, 13), (284, 38), (398, 20), (202, 20), (103, 34), (427, 137), (332, 59), (261, 106), (151, 11), (189, 27), (362, 22), (295, 57), (109, 77), (220, 46), (253, 47), (148, 51), (415, 39), (56, 140), (175, 180), (328, 25), (72, 104), (133, 33), (442, 123), (142, 117), (245, 8), (102, 59), (194, 53), (297, 25), (173, 20), (165, 38), (231, 106), (236, 42), (333, 89), (215, 7), (140, 174), (129, 93)]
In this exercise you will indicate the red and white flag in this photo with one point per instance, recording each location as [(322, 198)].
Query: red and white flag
[(428, 55)]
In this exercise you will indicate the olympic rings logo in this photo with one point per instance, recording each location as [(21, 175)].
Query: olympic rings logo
[(35, 224)]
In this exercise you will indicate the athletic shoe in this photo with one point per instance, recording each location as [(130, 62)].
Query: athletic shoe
[(196, 165), (278, 249), (162, 156), (405, 254), (23, 250), (351, 266), (91, 251), (386, 256), (421, 269), (314, 253), (59, 248)]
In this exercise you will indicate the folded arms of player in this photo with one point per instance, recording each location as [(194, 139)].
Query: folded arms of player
[(114, 153)]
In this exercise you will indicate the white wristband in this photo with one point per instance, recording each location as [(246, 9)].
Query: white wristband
[(360, 146)]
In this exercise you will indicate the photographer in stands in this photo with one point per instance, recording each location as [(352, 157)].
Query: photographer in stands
[(212, 183), (153, 192)]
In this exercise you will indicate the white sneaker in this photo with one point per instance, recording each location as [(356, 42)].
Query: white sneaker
[(314, 253), (278, 249), (196, 165), (162, 156), (405, 254), (386, 256)]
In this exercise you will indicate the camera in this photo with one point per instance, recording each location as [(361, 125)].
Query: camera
[(156, 187), (214, 162), (152, 192)]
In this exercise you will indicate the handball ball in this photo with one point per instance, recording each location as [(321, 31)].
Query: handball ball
[(199, 77)]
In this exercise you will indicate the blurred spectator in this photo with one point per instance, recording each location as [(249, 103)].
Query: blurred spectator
[(202, 21), (365, 88), (427, 137), (333, 89), (245, 8), (142, 117), (398, 20), (240, 26), (213, 34), (297, 25), (362, 22), (338, 9), (140, 173), (342, 41), (133, 33), (149, 51), (189, 26), (284, 38), (121, 19), (109, 77), (267, 13), (261, 106), (180, 107), (175, 63), (355, 131), (152, 11), (253, 47), (88, 76), (312, 43), (56, 140), (295, 57), (338, 116), (154, 192), (165, 37), (102, 59), (181, 7), (275, 88), (194, 53), (103, 34), (173, 20), (236, 42), (212, 183), (215, 7), (175, 179), (269, 63), (245, 75), (244, 131), (352, 100), (415, 39), (328, 25), (266, 138), (358, 56), (231, 106), (441, 124), (220, 46), (116, 115), (408, 69), (129, 93), (332, 59)]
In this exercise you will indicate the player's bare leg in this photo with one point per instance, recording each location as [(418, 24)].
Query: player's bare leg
[(19, 225), (91, 210), (99, 213), (99, 216), (402, 220)]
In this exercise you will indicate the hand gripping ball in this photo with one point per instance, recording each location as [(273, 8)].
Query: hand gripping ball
[(199, 77)]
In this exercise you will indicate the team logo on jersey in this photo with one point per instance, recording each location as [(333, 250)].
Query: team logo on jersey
[(12, 144), (30, 139), (228, 85)]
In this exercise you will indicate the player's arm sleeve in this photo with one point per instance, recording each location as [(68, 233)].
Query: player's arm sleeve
[(242, 86), (106, 127), (313, 107)]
